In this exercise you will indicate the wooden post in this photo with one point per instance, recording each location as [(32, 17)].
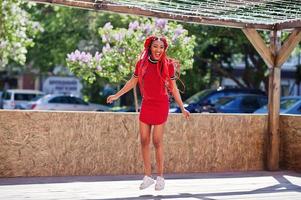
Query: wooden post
[(273, 138), (274, 57)]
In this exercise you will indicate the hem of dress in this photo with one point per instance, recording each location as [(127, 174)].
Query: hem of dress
[(152, 123)]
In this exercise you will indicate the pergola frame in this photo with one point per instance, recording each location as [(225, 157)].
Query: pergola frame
[(274, 54)]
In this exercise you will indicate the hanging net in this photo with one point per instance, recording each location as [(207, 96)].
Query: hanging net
[(240, 13), (247, 11)]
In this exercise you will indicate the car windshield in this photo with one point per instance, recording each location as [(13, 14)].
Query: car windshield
[(37, 97), (287, 103), (196, 97), (284, 104)]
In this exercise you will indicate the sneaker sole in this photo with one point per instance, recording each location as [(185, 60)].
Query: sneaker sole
[(159, 189), (146, 187)]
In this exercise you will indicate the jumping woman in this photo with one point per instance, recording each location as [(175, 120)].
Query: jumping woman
[(156, 75)]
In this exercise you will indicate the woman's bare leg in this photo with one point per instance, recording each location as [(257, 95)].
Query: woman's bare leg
[(145, 131), (158, 143)]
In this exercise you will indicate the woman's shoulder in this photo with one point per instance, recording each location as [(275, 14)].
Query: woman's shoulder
[(171, 62), (138, 62)]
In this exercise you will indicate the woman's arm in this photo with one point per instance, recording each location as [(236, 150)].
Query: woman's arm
[(127, 87), (177, 97)]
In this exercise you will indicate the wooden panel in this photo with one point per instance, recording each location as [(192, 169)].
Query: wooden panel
[(259, 45), (83, 143), (210, 143), (290, 129)]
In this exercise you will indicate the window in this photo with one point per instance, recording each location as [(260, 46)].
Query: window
[(197, 97), (250, 103), (299, 109), (71, 100), (6, 95), (224, 100), (79, 101), (263, 101), (215, 97), (287, 103), (24, 96), (59, 100)]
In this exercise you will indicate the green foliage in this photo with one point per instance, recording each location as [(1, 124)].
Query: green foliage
[(219, 51), (65, 30), (17, 31)]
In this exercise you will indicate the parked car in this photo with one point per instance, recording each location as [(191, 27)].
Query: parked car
[(199, 101), (288, 105), (64, 102), (15, 98), (124, 109), (243, 103)]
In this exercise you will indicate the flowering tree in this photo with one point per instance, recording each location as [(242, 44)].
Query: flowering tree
[(16, 31), (123, 46), (121, 49)]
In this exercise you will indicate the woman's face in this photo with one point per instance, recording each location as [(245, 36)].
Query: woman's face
[(157, 49)]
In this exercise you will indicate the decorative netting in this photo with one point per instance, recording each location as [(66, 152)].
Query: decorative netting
[(261, 14), (266, 12)]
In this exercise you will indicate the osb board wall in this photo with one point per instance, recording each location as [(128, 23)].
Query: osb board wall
[(88, 143), (290, 146)]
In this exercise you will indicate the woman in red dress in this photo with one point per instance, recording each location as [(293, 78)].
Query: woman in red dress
[(155, 73)]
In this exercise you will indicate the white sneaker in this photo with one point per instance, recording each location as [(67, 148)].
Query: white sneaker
[(147, 181), (159, 183)]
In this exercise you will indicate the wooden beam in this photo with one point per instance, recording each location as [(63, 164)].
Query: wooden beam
[(273, 137), (289, 45), (288, 25), (259, 45), (105, 6)]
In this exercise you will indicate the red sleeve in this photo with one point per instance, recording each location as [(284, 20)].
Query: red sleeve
[(137, 69), (171, 71)]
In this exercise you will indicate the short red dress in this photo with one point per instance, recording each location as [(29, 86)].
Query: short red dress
[(155, 100)]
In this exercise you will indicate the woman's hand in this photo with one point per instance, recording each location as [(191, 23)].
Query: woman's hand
[(185, 113), (112, 98)]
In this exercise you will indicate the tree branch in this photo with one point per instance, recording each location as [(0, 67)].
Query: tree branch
[(217, 68)]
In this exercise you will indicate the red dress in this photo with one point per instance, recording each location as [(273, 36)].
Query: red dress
[(155, 102)]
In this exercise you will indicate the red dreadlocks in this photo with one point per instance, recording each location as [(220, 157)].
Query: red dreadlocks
[(162, 64)]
